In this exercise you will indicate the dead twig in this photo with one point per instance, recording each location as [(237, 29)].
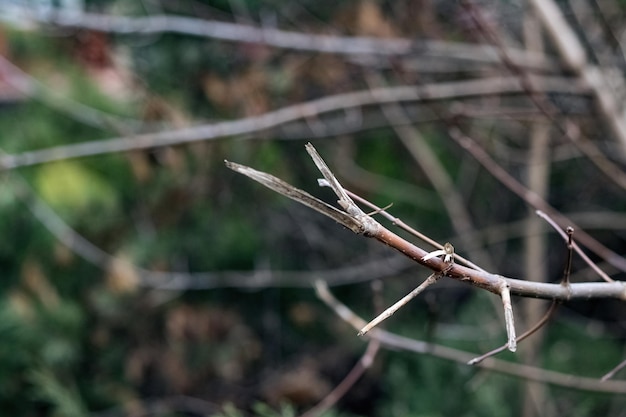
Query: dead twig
[(526, 334), (359, 222), (567, 236)]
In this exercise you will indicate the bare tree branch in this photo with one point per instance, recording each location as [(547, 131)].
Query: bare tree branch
[(299, 41), (360, 223), (270, 120)]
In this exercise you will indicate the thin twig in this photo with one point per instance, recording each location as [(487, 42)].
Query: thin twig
[(527, 333), (432, 278), (401, 224), (509, 320), (568, 263), (613, 371), (574, 245)]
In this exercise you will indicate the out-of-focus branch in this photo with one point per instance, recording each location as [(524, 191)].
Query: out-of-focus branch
[(531, 198), (394, 341), (527, 333), (573, 54), (273, 119), (185, 281), (592, 77), (434, 170), (613, 371), (299, 41), (364, 363), (30, 87), (567, 237)]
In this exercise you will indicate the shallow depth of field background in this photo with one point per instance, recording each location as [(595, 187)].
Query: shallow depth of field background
[(238, 331)]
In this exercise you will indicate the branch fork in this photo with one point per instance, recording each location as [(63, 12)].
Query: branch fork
[(440, 261)]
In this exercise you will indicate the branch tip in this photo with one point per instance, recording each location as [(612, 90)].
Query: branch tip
[(505, 294)]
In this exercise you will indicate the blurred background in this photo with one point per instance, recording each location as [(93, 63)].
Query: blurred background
[(141, 277)]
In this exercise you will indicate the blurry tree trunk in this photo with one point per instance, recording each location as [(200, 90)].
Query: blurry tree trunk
[(535, 253)]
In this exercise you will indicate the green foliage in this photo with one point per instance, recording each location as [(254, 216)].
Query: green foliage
[(424, 386), (71, 187), (65, 400), (265, 410)]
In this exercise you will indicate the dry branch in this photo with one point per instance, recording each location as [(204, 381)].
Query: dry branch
[(359, 222)]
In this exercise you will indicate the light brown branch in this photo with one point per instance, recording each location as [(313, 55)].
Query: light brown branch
[(360, 223), (273, 119)]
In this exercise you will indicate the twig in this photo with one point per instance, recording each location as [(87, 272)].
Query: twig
[(509, 321), (574, 245), (401, 224), (394, 341), (432, 278), (526, 334), (613, 371), (361, 223), (568, 263)]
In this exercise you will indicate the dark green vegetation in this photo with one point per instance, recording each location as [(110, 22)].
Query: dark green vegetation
[(83, 333)]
